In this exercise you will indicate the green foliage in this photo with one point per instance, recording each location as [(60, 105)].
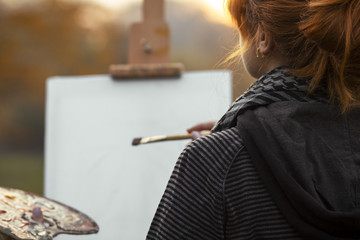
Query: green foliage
[(23, 171)]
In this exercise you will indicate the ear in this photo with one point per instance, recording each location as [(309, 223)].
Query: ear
[(265, 44)]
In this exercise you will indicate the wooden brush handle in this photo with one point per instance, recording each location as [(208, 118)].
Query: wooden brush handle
[(185, 136), (179, 136)]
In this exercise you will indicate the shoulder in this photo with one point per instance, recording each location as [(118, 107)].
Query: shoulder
[(227, 141), (217, 149), (192, 206)]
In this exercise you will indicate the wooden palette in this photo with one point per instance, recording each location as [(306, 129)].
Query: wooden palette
[(28, 216)]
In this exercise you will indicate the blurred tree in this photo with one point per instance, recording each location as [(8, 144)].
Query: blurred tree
[(46, 38)]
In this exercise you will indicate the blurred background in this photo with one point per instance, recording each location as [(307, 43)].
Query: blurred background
[(43, 38)]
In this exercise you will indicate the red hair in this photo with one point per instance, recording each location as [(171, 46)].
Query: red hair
[(320, 38)]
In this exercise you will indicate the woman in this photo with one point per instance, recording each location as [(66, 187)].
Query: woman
[(284, 161)]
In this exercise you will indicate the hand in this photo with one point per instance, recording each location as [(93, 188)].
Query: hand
[(204, 126)]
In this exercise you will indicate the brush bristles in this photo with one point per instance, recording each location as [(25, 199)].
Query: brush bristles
[(136, 141)]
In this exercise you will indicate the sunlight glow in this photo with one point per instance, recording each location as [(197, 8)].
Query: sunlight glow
[(216, 5)]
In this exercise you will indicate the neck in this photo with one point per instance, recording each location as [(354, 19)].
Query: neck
[(270, 62)]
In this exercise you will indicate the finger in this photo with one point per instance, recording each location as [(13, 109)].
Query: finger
[(195, 135), (202, 126)]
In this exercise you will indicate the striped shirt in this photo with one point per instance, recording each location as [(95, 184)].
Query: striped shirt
[(215, 192)]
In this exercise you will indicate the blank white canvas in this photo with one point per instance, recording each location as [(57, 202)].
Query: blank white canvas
[(90, 124)]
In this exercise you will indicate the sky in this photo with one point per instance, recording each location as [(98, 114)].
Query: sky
[(215, 4), (215, 8)]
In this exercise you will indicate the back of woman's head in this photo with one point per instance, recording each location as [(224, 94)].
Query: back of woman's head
[(320, 39)]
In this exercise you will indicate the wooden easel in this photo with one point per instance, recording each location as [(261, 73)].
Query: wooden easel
[(149, 41), (149, 47)]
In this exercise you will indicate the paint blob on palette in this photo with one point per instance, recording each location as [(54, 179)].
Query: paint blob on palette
[(28, 216)]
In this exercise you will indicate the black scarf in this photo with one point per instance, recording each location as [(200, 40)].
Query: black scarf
[(274, 86)]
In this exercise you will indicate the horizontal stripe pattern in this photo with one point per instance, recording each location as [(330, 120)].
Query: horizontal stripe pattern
[(215, 193)]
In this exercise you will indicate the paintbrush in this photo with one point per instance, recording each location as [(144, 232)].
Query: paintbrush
[(160, 138)]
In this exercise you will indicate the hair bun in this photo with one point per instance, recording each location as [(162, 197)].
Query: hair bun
[(330, 23)]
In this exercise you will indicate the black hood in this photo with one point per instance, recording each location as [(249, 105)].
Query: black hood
[(308, 156)]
